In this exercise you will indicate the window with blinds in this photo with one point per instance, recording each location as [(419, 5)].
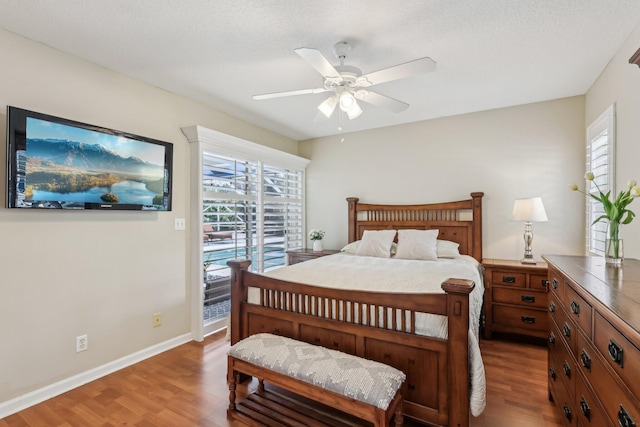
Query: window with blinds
[(251, 210), (600, 158)]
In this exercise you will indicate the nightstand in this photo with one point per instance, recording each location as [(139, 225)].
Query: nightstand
[(300, 255), (515, 298)]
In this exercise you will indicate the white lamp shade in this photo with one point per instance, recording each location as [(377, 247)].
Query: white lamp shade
[(328, 105), (354, 112), (529, 210), (347, 101)]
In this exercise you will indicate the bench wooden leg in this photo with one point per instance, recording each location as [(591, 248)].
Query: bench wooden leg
[(398, 418), (232, 376)]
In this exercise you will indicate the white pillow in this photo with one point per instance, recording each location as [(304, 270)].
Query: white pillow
[(352, 248), (448, 249), (376, 243), (417, 244)]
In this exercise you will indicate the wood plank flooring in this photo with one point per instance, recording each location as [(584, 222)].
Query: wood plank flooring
[(186, 387)]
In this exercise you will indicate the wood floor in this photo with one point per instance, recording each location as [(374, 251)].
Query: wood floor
[(186, 387)]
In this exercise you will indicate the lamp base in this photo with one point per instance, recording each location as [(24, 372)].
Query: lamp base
[(526, 260)]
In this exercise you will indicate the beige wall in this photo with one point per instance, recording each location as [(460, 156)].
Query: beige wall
[(525, 151), (619, 83), (104, 274)]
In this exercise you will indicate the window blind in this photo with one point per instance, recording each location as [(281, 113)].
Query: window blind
[(600, 157)]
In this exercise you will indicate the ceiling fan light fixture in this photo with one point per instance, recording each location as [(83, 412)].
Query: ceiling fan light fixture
[(347, 101), (354, 112), (328, 106)]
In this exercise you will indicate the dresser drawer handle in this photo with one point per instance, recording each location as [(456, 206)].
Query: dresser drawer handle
[(624, 419), (566, 369), (615, 352), (567, 412), (552, 338), (528, 298), (554, 283), (575, 308), (585, 359), (552, 373), (566, 329), (528, 319), (508, 279), (544, 283), (584, 407), (552, 307)]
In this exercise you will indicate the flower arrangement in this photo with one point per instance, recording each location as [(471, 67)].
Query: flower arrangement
[(316, 234), (615, 212)]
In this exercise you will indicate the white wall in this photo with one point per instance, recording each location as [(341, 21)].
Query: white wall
[(63, 274), (525, 151), (619, 83)]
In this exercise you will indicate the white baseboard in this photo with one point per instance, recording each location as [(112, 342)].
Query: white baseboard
[(19, 403)]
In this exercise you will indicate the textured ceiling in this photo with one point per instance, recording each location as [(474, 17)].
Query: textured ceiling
[(489, 53)]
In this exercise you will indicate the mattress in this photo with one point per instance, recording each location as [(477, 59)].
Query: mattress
[(349, 271)]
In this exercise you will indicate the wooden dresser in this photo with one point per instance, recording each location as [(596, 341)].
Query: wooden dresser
[(515, 298), (594, 340)]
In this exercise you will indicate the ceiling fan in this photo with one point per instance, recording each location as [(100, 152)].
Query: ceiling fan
[(348, 85)]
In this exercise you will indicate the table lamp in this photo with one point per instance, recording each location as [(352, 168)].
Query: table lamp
[(530, 211)]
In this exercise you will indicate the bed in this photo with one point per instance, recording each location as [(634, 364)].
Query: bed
[(445, 378)]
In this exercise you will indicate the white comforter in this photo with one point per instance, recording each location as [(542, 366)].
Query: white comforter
[(349, 271)]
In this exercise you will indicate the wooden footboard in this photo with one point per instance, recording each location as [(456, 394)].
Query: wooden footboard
[(375, 325)]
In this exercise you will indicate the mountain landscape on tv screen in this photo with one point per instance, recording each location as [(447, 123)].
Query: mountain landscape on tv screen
[(66, 170)]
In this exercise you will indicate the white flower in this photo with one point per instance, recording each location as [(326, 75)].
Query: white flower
[(316, 234)]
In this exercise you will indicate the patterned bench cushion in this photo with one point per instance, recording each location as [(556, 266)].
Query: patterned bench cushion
[(361, 379)]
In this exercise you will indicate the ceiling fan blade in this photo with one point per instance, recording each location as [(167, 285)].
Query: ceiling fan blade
[(383, 101), (289, 93), (318, 61), (408, 69)]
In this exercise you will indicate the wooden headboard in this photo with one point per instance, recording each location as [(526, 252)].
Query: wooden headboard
[(459, 222)]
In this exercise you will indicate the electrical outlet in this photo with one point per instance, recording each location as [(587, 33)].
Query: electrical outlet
[(157, 319), (180, 224), (82, 343)]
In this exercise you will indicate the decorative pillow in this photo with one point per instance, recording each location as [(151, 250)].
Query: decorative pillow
[(417, 244), (352, 247), (448, 249), (376, 243)]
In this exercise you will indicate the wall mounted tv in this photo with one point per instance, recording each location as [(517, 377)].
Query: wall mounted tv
[(56, 163)]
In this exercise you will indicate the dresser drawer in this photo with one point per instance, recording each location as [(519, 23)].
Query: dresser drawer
[(567, 330), (509, 278), (539, 282), (608, 391), (564, 367), (523, 297), (556, 284), (535, 320), (578, 309), (588, 410), (619, 353), (561, 397)]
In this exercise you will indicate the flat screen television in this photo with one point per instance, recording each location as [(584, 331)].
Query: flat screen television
[(56, 163)]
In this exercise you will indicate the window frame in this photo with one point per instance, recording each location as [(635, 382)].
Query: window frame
[(602, 127), (202, 139)]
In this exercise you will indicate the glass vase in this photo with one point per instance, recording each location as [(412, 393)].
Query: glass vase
[(614, 245), (317, 245)]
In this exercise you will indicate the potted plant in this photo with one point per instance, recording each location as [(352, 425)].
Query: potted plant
[(316, 237)]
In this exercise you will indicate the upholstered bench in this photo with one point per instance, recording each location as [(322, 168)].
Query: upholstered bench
[(362, 388)]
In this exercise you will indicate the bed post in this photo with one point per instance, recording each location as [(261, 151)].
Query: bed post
[(477, 225), (238, 297), (458, 291), (353, 217)]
